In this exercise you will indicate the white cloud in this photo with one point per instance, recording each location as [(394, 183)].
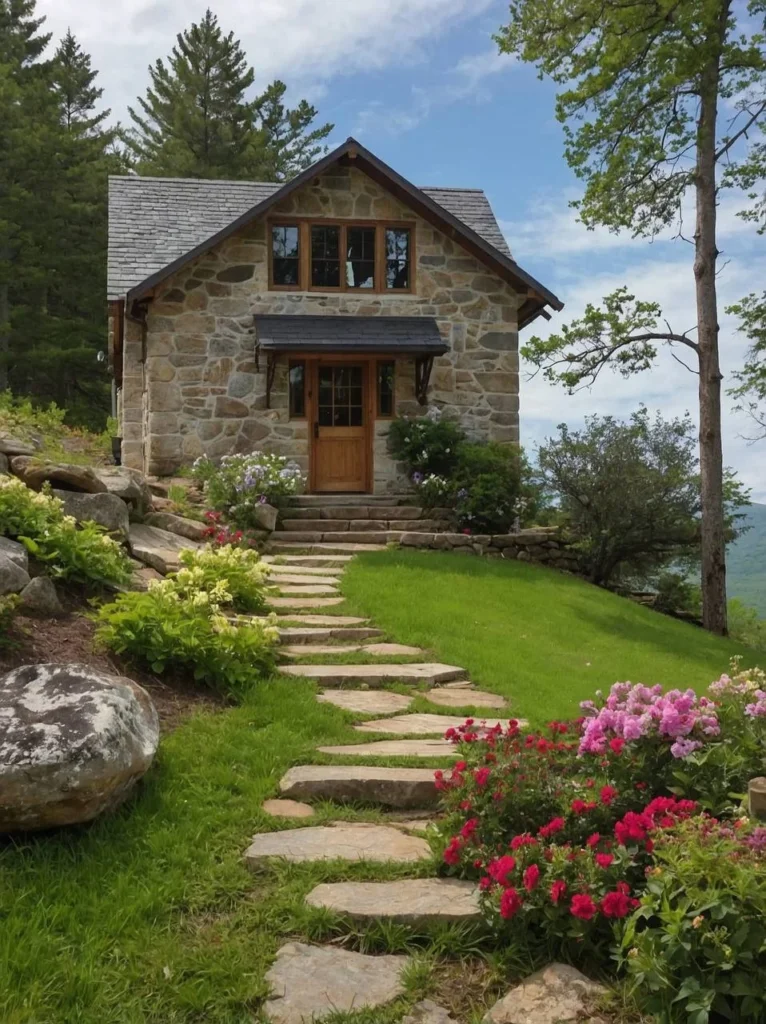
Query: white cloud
[(302, 41), (668, 387)]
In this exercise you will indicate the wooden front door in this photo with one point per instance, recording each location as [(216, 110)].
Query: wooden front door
[(341, 458)]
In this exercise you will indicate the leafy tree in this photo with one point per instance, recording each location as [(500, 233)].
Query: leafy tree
[(631, 493), (196, 121), (641, 91), (750, 390)]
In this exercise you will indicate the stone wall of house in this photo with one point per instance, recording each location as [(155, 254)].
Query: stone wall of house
[(203, 391)]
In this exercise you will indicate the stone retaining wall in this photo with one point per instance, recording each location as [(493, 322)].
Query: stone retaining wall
[(544, 545)]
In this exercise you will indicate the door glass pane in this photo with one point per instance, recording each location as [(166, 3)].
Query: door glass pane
[(360, 257), (325, 257), (325, 415), (341, 396)]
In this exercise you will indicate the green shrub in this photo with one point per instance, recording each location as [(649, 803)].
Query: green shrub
[(83, 554), (240, 570), (696, 948), (677, 593), (9, 603), (427, 445), (240, 483), (746, 625), (164, 629)]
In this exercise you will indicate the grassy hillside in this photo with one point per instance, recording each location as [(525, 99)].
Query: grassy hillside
[(747, 562), (544, 640)]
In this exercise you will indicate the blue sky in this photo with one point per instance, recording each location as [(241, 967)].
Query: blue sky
[(420, 82)]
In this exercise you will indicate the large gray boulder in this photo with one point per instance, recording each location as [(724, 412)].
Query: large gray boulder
[(13, 578), (12, 446), (15, 551), (129, 485), (107, 510), (39, 596), (73, 743), (192, 529), (35, 472)]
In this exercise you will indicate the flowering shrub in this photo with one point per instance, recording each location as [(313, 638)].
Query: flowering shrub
[(83, 553), (242, 572), (241, 483), (219, 534), (180, 626), (696, 947), (433, 491), (427, 445)]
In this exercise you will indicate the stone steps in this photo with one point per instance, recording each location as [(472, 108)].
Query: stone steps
[(278, 547), (351, 841), (384, 510), (309, 580), (409, 901), (324, 620), (309, 640), (335, 537), (375, 675), (367, 702), (420, 724), (306, 590), (356, 500), (307, 648), (305, 602), (320, 561), (396, 748), (354, 526), (317, 572), (401, 788)]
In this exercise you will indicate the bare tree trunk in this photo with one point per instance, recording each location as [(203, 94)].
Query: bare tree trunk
[(711, 454)]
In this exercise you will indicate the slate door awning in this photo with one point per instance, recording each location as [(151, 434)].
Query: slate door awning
[(416, 336)]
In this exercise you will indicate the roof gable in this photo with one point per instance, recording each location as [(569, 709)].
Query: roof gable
[(156, 225)]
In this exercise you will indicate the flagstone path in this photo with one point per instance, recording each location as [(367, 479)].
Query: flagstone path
[(310, 982)]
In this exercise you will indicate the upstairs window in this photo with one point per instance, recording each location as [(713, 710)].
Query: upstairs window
[(314, 255), (285, 255), (398, 258), (325, 257)]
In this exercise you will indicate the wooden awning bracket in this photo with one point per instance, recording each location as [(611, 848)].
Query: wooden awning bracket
[(423, 367), (271, 369)]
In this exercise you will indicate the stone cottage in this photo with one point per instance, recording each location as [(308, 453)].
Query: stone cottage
[(301, 317)]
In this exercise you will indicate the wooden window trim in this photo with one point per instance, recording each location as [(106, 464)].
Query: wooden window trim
[(378, 414), (305, 224)]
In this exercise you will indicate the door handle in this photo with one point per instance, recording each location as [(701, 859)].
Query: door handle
[(316, 429)]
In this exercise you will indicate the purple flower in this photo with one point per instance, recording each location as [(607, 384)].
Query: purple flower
[(417, 478), (682, 748)]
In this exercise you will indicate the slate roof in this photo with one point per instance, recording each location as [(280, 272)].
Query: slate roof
[(154, 221), (418, 335)]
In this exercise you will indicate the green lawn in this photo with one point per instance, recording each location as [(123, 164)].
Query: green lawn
[(542, 639), (150, 917)]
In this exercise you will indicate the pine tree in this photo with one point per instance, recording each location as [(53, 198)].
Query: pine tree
[(196, 121), (73, 80)]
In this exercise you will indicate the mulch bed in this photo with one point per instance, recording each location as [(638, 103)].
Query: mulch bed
[(69, 639)]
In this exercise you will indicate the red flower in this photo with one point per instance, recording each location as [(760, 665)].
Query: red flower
[(618, 904), (481, 777), (582, 906), (554, 825), (632, 828), (579, 806), (469, 828), (531, 877), (510, 903), (452, 853), (499, 869), (604, 860), (557, 890), (616, 745), (607, 795), (593, 840), (485, 883), (523, 840)]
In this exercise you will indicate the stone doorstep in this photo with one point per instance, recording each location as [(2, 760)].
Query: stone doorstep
[(313, 637), (308, 590), (279, 547), (350, 841), (381, 650), (307, 500), (396, 748), (420, 724), (403, 788), (412, 901), (305, 602), (366, 702), (331, 537), (325, 620), (374, 675), (309, 983)]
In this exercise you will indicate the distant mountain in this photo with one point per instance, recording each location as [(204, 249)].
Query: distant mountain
[(746, 562)]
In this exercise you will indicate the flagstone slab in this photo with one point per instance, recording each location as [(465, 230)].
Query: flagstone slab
[(350, 841), (392, 650), (305, 602), (421, 724), (285, 548), (390, 787), (278, 578), (412, 901), (309, 983), (288, 809), (306, 590), (415, 824), (374, 675), (317, 561), (308, 639), (366, 702), (324, 620), (396, 748), (464, 697), (306, 649)]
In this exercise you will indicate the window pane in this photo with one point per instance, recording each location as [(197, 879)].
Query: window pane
[(397, 258), (325, 257), (297, 391), (285, 252), (385, 389), (360, 257)]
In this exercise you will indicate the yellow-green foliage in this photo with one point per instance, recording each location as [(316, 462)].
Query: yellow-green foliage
[(240, 569)]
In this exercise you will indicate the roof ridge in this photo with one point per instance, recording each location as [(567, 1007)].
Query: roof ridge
[(270, 184)]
